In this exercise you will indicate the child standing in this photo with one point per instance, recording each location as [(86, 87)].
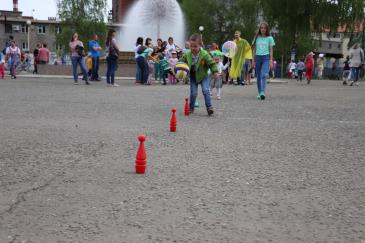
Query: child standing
[(199, 62), (309, 67), (173, 61), (300, 68), (218, 84)]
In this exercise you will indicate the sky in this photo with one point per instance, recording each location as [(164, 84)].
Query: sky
[(42, 8)]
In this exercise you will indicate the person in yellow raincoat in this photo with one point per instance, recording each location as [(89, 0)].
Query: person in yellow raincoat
[(244, 51)]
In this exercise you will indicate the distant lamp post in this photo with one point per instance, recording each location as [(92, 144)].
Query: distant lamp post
[(28, 27), (201, 29)]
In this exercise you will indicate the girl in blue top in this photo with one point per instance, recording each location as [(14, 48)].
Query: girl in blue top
[(263, 57)]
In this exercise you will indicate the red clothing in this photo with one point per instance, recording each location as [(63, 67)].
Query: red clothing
[(309, 65), (43, 55)]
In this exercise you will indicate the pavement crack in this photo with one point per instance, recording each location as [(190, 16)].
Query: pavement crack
[(21, 196)]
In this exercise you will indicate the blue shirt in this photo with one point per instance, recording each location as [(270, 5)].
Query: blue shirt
[(263, 45), (93, 44)]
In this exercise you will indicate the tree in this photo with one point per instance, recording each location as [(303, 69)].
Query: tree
[(221, 18), (296, 20), (85, 17)]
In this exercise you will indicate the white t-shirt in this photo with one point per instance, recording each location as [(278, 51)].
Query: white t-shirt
[(13, 52)]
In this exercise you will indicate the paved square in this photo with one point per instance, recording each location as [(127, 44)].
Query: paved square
[(288, 169)]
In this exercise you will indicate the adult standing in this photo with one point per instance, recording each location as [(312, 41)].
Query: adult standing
[(244, 52), (95, 48), (144, 53), (43, 55), (112, 59), (356, 61), (309, 67), (13, 55), (36, 58), (78, 58), (263, 59), (139, 43), (171, 46)]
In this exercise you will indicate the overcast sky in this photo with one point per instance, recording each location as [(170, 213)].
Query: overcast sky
[(43, 8)]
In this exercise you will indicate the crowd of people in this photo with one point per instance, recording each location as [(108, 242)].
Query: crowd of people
[(208, 65), (347, 70), (14, 57)]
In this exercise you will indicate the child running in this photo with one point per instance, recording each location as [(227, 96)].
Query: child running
[(199, 62)]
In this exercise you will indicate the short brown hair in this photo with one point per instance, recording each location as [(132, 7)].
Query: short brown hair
[(196, 37)]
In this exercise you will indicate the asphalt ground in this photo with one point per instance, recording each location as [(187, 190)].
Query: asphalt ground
[(287, 169)]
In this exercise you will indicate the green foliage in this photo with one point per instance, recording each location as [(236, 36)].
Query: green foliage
[(294, 20), (221, 18), (85, 17)]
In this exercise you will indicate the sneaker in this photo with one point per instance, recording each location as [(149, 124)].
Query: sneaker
[(308, 81), (356, 83), (191, 111), (258, 97), (262, 96), (115, 85), (344, 83), (210, 111), (219, 98), (76, 83), (352, 83), (87, 83)]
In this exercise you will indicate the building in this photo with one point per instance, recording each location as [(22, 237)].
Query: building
[(336, 44), (120, 8), (28, 31)]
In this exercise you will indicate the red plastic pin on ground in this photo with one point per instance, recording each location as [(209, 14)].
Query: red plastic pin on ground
[(187, 109), (141, 158), (173, 121)]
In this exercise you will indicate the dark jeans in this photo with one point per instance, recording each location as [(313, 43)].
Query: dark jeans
[(143, 66), (112, 65), (355, 73), (77, 60), (95, 70)]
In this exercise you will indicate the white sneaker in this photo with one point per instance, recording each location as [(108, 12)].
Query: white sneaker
[(219, 98), (115, 85)]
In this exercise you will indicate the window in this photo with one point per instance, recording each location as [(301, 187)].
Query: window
[(58, 29), (58, 47), (25, 46), (41, 29), (8, 28), (329, 46), (24, 28)]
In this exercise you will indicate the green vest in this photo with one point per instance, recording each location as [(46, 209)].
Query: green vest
[(204, 63)]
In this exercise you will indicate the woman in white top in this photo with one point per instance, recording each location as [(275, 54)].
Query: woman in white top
[(356, 61), (13, 55), (78, 57)]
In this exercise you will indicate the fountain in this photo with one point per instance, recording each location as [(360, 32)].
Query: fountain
[(154, 19)]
